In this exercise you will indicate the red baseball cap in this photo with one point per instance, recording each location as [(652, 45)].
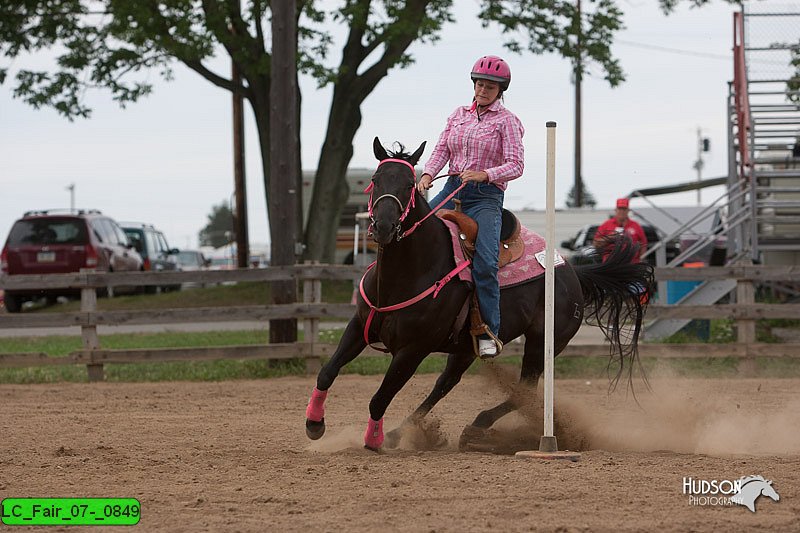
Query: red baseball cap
[(623, 202)]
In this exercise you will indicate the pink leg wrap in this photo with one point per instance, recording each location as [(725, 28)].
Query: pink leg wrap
[(373, 437), (316, 405)]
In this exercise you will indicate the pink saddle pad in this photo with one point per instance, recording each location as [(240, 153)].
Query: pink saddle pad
[(526, 268)]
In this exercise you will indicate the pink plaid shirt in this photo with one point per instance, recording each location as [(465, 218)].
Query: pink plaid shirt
[(493, 144)]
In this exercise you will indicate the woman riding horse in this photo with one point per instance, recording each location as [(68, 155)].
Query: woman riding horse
[(410, 300), (483, 143)]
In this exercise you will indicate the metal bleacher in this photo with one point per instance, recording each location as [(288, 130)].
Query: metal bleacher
[(758, 216)]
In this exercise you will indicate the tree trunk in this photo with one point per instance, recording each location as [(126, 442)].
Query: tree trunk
[(330, 184), (279, 330), (283, 161)]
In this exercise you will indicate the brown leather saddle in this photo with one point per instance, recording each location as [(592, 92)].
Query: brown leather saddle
[(511, 244)]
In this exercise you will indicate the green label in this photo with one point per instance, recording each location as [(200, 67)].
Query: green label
[(70, 511)]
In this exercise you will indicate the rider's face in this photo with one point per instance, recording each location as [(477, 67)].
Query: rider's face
[(486, 91)]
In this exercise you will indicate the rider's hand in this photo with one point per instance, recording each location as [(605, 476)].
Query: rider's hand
[(424, 183), (474, 175)]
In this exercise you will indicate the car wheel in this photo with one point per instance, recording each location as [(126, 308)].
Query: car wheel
[(13, 303)]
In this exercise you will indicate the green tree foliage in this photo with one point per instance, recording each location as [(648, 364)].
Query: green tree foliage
[(547, 26), (219, 229)]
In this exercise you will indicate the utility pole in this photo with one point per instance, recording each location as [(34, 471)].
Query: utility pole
[(240, 214), (71, 189), (578, 76), (284, 166)]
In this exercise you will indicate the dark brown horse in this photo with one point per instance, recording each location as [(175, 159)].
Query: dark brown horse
[(606, 294)]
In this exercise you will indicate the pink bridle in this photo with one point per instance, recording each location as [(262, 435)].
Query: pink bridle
[(409, 205)]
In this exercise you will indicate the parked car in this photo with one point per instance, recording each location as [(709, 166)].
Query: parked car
[(59, 242), (192, 261), (583, 250), (156, 253)]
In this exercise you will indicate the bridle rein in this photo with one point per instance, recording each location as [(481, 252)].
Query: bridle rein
[(438, 285)]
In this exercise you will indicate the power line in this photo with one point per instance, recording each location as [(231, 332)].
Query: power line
[(673, 50)]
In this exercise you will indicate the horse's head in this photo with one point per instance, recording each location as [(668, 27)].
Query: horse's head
[(392, 190), (768, 491)]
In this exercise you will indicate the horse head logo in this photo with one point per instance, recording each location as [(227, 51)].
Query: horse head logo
[(751, 488)]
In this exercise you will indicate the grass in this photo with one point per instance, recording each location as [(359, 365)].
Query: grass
[(723, 331), (565, 368), (257, 293)]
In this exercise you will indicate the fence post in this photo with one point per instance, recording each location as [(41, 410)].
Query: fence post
[(312, 293), (89, 328), (746, 328)]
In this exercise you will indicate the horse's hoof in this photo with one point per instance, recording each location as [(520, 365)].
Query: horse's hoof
[(376, 450), (393, 438), (473, 439), (315, 430)]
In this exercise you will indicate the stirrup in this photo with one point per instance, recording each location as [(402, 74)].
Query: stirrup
[(487, 348)]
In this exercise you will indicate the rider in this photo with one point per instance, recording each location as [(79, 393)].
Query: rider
[(483, 144)]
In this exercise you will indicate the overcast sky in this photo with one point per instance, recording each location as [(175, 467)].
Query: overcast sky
[(167, 159)]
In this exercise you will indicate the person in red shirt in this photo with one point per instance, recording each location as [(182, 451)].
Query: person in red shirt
[(620, 223)]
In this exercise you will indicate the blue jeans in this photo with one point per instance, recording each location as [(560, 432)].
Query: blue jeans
[(484, 203)]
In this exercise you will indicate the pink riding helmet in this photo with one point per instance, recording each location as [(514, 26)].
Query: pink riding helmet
[(492, 68)]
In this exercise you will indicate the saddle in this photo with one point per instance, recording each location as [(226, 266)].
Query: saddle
[(511, 249), (511, 244)]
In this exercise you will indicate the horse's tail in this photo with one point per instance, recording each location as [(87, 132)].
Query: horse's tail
[(616, 292)]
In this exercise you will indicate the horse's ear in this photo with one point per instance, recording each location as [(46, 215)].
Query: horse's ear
[(416, 155), (379, 150)]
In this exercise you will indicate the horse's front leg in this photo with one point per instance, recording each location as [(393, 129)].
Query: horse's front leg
[(403, 365), (350, 346), (457, 364)]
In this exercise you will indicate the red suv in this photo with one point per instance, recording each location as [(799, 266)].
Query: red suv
[(58, 242)]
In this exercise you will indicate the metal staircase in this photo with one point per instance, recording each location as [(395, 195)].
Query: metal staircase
[(758, 216)]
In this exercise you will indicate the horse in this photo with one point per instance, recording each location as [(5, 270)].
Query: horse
[(409, 300)]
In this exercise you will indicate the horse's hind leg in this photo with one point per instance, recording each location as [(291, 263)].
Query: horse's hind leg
[(457, 364), (532, 368), (350, 346)]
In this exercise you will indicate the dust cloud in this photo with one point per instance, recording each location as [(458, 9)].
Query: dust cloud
[(719, 417)]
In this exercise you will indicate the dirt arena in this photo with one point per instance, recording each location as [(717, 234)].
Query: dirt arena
[(233, 456)]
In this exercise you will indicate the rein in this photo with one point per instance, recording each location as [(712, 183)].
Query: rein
[(435, 288), (438, 285), (413, 228)]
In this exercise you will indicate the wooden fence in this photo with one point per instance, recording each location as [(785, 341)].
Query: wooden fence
[(311, 310)]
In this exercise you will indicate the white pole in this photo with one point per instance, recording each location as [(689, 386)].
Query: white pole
[(549, 285), (548, 445), (355, 241)]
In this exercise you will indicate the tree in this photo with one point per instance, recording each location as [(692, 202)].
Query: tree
[(219, 230), (588, 198), (114, 44), (390, 26)]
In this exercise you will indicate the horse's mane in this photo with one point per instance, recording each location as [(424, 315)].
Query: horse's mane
[(748, 479), (399, 153)]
